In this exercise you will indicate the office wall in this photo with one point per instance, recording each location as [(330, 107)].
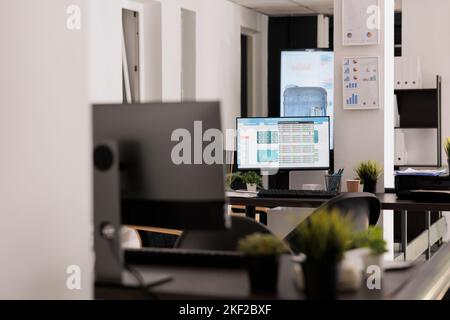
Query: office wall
[(45, 185), (360, 135), (219, 26), (425, 33), (426, 25), (105, 51)]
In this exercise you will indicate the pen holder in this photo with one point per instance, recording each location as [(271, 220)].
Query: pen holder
[(333, 183)]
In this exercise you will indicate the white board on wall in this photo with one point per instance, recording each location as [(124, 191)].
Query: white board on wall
[(361, 83), (360, 22)]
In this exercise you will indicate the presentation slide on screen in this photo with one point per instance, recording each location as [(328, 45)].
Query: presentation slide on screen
[(307, 84), (266, 143)]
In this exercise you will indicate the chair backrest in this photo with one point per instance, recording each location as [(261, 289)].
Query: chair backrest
[(363, 208), (224, 240)]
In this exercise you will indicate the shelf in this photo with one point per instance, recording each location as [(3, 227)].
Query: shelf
[(418, 127), (420, 109), (418, 165), (417, 90)]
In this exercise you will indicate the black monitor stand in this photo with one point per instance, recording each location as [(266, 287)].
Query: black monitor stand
[(110, 264), (281, 179)]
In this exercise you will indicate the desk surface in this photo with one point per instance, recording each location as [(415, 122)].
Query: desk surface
[(425, 280), (388, 201)]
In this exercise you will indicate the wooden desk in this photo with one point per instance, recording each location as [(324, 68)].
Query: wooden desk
[(411, 248), (426, 280)]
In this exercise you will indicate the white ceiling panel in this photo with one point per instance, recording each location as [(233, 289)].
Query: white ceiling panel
[(288, 7)]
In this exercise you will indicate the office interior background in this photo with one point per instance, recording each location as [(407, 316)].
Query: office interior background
[(189, 50)]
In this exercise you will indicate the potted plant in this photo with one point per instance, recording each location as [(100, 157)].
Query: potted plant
[(373, 240), (232, 180), (369, 172), (447, 151), (262, 252), (323, 239), (252, 180)]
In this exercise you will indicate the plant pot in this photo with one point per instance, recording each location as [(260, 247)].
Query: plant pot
[(370, 186), (370, 259), (353, 186), (320, 280), (252, 187), (263, 272)]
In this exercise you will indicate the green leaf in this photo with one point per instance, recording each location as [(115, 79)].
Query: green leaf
[(372, 239), (447, 147), (261, 244), (325, 236), (368, 171)]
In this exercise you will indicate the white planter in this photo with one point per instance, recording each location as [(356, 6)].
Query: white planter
[(251, 187), (370, 259)]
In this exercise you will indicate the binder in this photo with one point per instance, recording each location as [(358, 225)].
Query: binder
[(400, 148), (408, 73), (396, 113)]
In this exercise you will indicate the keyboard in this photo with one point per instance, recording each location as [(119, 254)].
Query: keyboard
[(184, 257), (278, 193)]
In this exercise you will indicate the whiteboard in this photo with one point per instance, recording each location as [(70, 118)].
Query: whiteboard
[(360, 22), (361, 83)]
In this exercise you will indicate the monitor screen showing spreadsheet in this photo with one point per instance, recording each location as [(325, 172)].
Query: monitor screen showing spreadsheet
[(283, 143)]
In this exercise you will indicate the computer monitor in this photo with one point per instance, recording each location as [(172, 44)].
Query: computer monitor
[(288, 143), (154, 189)]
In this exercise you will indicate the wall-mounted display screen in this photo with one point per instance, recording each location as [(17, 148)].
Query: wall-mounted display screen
[(307, 85)]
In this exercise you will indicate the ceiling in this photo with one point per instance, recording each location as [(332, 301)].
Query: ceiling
[(294, 7), (288, 7)]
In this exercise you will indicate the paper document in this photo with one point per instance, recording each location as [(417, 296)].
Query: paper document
[(433, 191), (414, 172), (241, 194)]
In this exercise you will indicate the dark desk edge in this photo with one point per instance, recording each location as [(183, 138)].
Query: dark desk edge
[(388, 201)]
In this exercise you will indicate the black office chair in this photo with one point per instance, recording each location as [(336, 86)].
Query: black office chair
[(223, 240), (363, 208)]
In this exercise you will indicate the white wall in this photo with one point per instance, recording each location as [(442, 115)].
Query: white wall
[(219, 24), (105, 51), (359, 135), (426, 28), (45, 185)]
